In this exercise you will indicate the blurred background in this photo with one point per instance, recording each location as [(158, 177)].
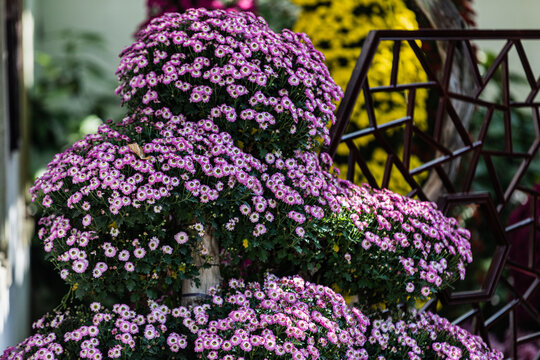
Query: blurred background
[(57, 80)]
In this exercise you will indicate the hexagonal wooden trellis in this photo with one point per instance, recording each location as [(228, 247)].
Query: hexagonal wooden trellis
[(441, 156)]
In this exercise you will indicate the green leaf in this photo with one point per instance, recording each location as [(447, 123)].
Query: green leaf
[(134, 297), (151, 293), (263, 256), (130, 284)]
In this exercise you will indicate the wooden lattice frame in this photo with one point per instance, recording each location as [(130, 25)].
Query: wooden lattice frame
[(438, 82)]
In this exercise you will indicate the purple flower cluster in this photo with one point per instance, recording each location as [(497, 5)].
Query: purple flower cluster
[(104, 334), (282, 318), (83, 258), (39, 346), (265, 88), (182, 162), (407, 248), (90, 184), (285, 318), (211, 94), (197, 163), (96, 167), (426, 336)]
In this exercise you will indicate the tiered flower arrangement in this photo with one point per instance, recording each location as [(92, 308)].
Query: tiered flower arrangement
[(216, 167), (338, 29)]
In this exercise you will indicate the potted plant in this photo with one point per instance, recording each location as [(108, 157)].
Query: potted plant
[(166, 223)]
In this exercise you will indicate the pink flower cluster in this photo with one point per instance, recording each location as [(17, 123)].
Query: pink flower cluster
[(103, 334), (285, 318), (214, 63), (39, 346), (182, 156), (183, 162), (400, 243), (79, 252), (426, 336), (195, 161)]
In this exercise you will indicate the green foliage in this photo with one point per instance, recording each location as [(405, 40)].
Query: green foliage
[(71, 93)]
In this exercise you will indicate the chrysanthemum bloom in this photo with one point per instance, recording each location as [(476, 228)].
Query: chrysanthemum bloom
[(99, 332), (280, 319), (425, 336), (269, 90)]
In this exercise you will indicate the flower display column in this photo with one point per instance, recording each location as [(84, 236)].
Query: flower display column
[(167, 223)]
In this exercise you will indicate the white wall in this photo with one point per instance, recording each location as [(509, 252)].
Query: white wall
[(115, 20), (505, 14)]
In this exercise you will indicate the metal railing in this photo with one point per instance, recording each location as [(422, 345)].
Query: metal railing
[(451, 155)]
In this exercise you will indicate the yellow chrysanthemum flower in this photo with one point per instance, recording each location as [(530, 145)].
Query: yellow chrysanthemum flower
[(338, 28)]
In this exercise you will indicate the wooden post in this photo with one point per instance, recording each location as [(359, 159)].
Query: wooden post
[(208, 277)]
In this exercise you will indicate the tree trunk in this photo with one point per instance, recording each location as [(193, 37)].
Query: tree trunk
[(442, 14), (208, 277)]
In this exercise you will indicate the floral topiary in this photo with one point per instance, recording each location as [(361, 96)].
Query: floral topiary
[(285, 318), (178, 169), (389, 249), (189, 187), (272, 91)]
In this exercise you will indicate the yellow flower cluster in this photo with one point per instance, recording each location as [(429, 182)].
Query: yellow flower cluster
[(338, 29)]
